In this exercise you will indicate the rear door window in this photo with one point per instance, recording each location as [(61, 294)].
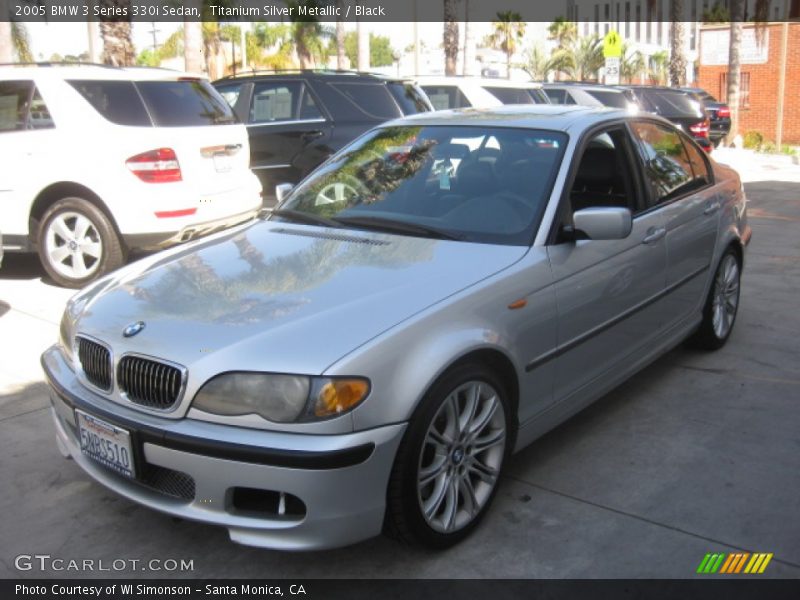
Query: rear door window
[(444, 97), (277, 101), (612, 99), (117, 101), (510, 95), (371, 98), (667, 165), (187, 103), (409, 97), (22, 107), (556, 96)]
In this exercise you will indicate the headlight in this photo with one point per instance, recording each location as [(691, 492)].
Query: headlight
[(280, 398)]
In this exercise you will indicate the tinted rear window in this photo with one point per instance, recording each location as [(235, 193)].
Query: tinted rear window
[(168, 103), (372, 98), (510, 95), (117, 101), (613, 99), (185, 103), (443, 97), (669, 104), (409, 97)]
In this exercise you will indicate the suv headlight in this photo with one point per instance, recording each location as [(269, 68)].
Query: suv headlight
[(281, 398)]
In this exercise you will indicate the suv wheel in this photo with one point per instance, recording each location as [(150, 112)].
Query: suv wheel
[(449, 463), (77, 243)]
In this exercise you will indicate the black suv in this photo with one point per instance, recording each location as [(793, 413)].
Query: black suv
[(681, 108), (297, 119)]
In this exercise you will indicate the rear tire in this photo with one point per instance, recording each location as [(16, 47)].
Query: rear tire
[(722, 305), (78, 243), (449, 463)]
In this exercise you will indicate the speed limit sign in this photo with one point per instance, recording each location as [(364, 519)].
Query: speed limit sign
[(612, 70)]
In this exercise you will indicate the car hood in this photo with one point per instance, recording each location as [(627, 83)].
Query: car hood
[(281, 297)]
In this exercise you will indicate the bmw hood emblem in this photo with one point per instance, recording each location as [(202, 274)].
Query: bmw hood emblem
[(132, 329)]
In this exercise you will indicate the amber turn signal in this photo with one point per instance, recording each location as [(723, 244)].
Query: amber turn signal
[(340, 395)]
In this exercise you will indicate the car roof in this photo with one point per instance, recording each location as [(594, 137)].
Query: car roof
[(481, 81), (90, 71), (580, 85), (529, 116), (322, 74)]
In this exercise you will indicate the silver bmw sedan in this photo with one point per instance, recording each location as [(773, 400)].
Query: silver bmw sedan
[(434, 297)]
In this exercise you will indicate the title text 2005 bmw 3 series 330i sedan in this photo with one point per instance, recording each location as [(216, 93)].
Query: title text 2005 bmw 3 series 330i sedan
[(435, 296)]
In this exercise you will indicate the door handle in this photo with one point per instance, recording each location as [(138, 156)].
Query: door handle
[(311, 135), (653, 235), (711, 208)]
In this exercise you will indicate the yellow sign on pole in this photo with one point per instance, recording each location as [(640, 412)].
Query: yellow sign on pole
[(612, 45)]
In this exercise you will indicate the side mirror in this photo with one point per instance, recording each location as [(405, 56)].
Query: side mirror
[(603, 222), (282, 190)]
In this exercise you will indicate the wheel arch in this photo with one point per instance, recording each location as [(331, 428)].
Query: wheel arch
[(56, 191)]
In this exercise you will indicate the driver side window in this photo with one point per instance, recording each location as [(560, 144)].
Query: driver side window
[(604, 177)]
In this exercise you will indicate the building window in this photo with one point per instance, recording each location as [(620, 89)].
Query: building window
[(744, 88), (639, 21)]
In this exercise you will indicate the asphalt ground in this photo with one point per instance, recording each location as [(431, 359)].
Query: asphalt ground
[(698, 453)]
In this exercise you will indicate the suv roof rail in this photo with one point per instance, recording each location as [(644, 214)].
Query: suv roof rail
[(58, 63), (320, 71)]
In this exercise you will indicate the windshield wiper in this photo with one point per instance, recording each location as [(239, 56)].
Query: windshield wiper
[(304, 217), (403, 227)]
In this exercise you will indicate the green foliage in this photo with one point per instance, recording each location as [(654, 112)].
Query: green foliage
[(509, 29), (658, 66), (21, 42), (768, 147), (148, 58), (584, 58), (632, 63), (716, 14), (753, 140), (538, 64), (562, 31), (381, 53)]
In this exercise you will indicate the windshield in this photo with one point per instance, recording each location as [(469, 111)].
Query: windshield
[(476, 184)]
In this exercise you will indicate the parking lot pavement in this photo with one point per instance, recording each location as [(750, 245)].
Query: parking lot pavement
[(698, 453)]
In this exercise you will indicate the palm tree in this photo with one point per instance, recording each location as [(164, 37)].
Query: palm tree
[(450, 37), (20, 43), (657, 67), (309, 36), (631, 64), (340, 54), (538, 64), (735, 65), (193, 46), (116, 35), (563, 32), (507, 35), (677, 61), (584, 58)]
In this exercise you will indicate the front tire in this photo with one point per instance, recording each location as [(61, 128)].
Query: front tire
[(722, 305), (448, 466), (78, 243)]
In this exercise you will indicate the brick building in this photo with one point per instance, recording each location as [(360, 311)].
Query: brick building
[(760, 76)]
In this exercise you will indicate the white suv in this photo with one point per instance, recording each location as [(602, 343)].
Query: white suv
[(100, 160), (479, 92)]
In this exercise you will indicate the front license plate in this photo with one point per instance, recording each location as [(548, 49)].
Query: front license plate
[(106, 443)]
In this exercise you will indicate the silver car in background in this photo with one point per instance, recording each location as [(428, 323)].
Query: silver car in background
[(434, 297)]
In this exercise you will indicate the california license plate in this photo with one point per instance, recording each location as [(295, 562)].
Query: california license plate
[(106, 443)]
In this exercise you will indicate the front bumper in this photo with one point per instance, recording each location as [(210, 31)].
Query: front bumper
[(198, 471)]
